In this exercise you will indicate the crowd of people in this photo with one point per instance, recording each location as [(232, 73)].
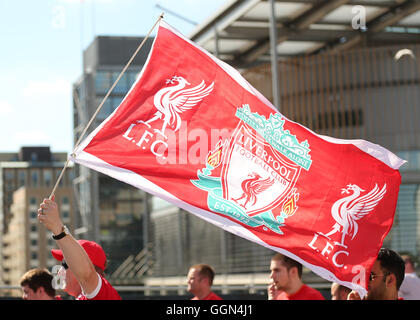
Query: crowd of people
[(83, 264)]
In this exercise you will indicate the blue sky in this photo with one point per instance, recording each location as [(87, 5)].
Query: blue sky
[(41, 56)]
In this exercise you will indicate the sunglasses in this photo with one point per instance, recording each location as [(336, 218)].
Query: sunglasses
[(372, 276)]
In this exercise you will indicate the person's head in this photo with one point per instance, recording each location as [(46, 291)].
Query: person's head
[(200, 278), (339, 292), (409, 263), (285, 272), (386, 276), (37, 285), (96, 255)]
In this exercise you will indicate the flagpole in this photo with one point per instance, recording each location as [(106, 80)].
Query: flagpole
[(102, 103)]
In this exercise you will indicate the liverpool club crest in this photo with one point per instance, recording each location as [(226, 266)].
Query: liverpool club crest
[(261, 163)]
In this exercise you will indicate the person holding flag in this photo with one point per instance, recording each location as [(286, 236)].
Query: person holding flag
[(84, 261)]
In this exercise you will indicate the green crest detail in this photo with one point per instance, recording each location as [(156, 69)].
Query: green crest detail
[(281, 140)]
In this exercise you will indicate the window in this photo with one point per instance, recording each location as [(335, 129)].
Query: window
[(34, 178), (33, 215), (34, 156), (10, 176), (22, 178), (122, 85), (102, 81), (132, 77), (47, 177), (32, 200), (106, 108), (116, 101), (65, 200), (34, 228)]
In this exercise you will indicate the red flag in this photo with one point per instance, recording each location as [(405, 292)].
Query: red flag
[(192, 131)]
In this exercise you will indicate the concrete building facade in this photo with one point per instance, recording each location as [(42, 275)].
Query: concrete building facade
[(27, 177)]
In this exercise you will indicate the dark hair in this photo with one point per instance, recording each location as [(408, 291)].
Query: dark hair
[(36, 278), (288, 263), (205, 271), (392, 263)]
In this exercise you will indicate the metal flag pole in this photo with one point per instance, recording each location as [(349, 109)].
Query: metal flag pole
[(274, 57), (102, 103)]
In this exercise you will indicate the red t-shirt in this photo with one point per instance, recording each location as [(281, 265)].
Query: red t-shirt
[(304, 293), (104, 291), (211, 296)]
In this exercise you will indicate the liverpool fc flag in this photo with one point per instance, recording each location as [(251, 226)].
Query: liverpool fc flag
[(192, 131)]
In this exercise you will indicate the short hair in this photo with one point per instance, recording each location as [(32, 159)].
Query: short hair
[(205, 271), (392, 263), (288, 263), (36, 278)]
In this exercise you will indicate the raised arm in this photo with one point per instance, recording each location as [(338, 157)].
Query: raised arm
[(76, 258)]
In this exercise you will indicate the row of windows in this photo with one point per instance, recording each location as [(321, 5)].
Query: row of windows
[(34, 255), (37, 177), (105, 79), (62, 200), (34, 242), (65, 214), (51, 262)]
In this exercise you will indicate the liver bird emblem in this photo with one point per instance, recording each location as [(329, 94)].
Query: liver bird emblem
[(174, 99), (251, 187), (348, 210)]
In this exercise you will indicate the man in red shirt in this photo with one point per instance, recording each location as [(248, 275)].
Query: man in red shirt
[(286, 276), (83, 261), (200, 279)]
